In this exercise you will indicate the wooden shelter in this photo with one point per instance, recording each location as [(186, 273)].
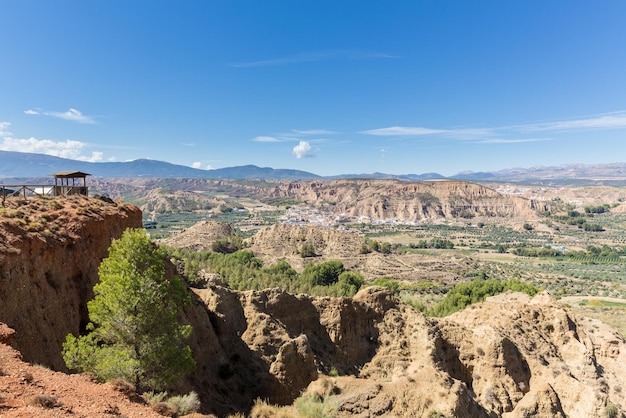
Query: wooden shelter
[(65, 183)]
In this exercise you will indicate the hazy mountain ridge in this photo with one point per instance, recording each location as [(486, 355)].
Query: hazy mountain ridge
[(29, 165)]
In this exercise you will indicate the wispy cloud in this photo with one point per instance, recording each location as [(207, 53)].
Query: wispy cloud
[(266, 139), (294, 135), (196, 164), (71, 114), (403, 131), (303, 150), (498, 134), (314, 57), (608, 120), (512, 141)]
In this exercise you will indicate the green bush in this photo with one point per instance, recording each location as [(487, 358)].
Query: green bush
[(322, 274), (391, 284), (464, 294), (134, 333)]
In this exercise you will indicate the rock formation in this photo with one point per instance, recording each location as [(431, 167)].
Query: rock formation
[(50, 251), (200, 236), (408, 201), (511, 356)]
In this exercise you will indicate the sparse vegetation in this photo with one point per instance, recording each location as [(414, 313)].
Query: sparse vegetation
[(185, 404), (243, 271), (464, 294), (312, 406), (611, 410)]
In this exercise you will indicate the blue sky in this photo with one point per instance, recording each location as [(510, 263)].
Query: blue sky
[(329, 87)]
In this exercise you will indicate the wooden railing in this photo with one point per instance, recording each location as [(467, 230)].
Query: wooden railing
[(31, 190)]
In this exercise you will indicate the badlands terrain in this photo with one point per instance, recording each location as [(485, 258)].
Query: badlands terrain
[(271, 353)]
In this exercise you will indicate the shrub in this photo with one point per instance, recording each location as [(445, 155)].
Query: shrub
[(262, 409), (312, 406), (391, 284), (611, 411), (464, 294), (185, 404), (307, 250), (322, 274)]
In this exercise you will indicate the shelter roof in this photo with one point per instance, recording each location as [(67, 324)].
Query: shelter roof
[(70, 174)]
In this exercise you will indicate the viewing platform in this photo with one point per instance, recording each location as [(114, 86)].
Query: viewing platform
[(65, 183)]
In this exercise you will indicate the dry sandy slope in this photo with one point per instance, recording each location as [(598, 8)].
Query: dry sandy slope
[(71, 395)]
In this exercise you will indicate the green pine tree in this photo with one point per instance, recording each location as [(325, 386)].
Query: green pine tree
[(134, 333)]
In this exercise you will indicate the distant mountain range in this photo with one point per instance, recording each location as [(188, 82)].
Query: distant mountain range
[(28, 165), (20, 164)]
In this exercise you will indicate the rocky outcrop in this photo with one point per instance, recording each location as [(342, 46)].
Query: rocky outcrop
[(48, 265), (510, 356), (409, 201), (200, 236)]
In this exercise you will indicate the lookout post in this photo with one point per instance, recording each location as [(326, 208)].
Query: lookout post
[(63, 186)]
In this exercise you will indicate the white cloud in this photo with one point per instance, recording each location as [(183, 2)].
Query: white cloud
[(3, 127), (512, 141), (266, 139), (197, 164), (608, 120), (96, 156), (209, 167), (403, 131), (65, 149), (72, 115), (303, 150), (499, 134)]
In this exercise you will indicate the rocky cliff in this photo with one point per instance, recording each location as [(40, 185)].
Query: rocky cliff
[(408, 201), (510, 356), (50, 250)]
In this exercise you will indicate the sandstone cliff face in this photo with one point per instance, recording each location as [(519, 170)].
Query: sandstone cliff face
[(510, 356), (50, 253), (414, 202)]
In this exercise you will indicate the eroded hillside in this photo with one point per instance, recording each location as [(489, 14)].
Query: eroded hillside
[(409, 202), (510, 356), (50, 250)]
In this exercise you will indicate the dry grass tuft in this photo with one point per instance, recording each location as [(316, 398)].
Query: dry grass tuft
[(124, 386), (262, 409), (164, 408), (43, 401)]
